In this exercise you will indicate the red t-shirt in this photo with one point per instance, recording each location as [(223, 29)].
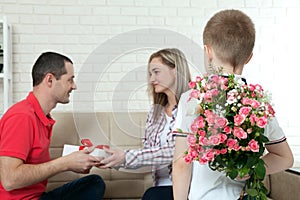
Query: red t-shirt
[(25, 133)]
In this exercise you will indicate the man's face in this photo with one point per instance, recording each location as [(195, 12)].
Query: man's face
[(64, 86)]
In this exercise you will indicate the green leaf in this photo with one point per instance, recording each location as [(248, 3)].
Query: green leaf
[(260, 169), (179, 130), (250, 161), (233, 174), (243, 172), (252, 192)]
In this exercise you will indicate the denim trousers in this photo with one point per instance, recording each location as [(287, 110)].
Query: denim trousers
[(159, 193), (90, 187)]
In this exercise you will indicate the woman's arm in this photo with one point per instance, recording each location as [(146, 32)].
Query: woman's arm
[(278, 158), (182, 171), (135, 158)]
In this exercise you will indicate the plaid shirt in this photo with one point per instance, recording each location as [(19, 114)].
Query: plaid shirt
[(153, 153)]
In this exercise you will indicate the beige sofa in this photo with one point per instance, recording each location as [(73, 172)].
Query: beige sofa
[(120, 130), (124, 130)]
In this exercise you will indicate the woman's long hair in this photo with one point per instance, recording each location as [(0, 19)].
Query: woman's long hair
[(173, 58)]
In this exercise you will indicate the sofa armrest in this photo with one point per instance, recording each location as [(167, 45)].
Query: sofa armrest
[(285, 185)]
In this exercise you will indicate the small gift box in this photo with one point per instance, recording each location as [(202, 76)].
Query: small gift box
[(98, 151)]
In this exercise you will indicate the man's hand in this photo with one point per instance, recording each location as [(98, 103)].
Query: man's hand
[(81, 161)]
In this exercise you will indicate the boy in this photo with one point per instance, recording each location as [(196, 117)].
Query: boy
[(228, 39)]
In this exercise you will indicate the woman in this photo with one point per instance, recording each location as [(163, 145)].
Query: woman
[(168, 78)]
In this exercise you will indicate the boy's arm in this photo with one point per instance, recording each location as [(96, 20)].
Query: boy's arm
[(278, 158), (181, 171), (15, 174)]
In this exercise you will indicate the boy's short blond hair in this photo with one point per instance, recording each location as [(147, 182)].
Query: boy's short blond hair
[(231, 34)]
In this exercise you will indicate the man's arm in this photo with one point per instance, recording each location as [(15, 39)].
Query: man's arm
[(15, 174)]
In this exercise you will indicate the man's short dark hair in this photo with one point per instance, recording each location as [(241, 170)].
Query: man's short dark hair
[(49, 62)]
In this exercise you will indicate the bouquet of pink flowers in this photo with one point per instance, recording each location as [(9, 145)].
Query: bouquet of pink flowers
[(228, 132)]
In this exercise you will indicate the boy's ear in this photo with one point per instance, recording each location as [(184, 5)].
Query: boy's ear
[(209, 52), (249, 58)]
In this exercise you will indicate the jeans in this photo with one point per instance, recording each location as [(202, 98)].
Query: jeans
[(159, 193), (89, 187)]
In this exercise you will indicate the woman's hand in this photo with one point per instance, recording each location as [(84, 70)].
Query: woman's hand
[(116, 159)]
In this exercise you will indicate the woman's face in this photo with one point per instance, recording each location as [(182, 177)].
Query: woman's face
[(161, 76)]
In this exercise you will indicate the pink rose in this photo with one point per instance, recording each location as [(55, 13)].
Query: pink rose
[(245, 111), (251, 87), (222, 138), (197, 124), (239, 133), (214, 92), (222, 122), (201, 133), (209, 155), (203, 141), (192, 84), (207, 96), (198, 79), (227, 129), (253, 145), (231, 143), (191, 140), (193, 153), (237, 147), (255, 104), (203, 160), (214, 140), (246, 101), (188, 158), (194, 94), (249, 130), (252, 119), (239, 119), (270, 110), (262, 121), (223, 151), (209, 117)]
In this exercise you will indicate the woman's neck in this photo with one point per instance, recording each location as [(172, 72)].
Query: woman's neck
[(171, 104)]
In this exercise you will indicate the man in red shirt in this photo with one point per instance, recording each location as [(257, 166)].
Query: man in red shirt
[(25, 134)]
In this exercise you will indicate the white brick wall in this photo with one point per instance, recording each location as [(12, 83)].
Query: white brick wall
[(79, 28)]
